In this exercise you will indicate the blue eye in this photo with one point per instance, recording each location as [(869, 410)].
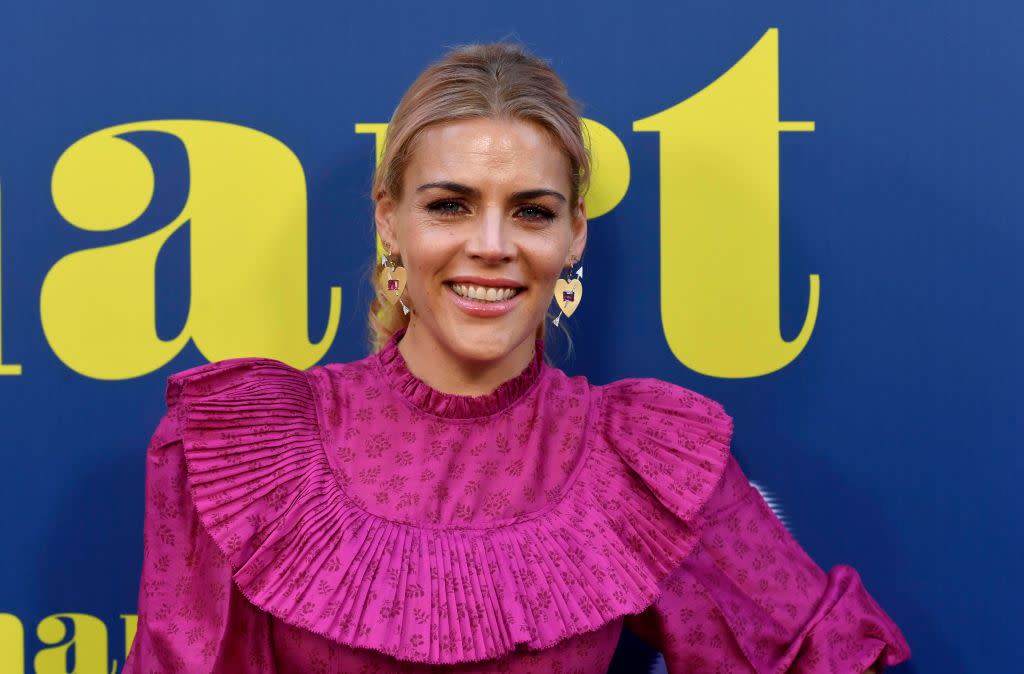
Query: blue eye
[(450, 207), (537, 213), (445, 207)]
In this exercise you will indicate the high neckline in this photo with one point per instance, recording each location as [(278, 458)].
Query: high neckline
[(452, 405)]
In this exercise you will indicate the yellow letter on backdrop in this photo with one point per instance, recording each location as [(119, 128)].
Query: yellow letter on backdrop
[(610, 165), (720, 222), (88, 637), (12, 644), (131, 626), (247, 227)]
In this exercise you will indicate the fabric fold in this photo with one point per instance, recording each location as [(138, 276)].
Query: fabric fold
[(305, 552), (749, 598), (850, 630), (676, 440)]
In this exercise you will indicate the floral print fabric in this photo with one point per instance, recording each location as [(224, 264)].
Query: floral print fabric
[(349, 518), (749, 599)]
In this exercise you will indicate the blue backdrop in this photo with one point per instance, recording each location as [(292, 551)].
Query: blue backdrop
[(889, 440)]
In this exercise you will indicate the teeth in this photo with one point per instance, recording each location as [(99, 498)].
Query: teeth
[(483, 293)]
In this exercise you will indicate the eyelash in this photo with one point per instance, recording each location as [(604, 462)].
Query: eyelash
[(438, 207)]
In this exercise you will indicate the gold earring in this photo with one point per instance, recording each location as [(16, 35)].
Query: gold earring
[(569, 291), (392, 279)]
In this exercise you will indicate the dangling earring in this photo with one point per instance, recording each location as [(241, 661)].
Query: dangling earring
[(569, 291), (392, 280)]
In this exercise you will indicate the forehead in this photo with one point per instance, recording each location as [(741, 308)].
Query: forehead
[(488, 154)]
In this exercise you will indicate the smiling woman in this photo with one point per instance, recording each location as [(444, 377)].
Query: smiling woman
[(480, 186), (453, 502), (483, 225)]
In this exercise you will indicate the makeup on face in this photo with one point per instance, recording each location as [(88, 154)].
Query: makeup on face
[(484, 231)]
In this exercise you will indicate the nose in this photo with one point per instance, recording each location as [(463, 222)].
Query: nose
[(490, 240)]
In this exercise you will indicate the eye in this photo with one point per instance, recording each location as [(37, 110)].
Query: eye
[(538, 213), (445, 207)]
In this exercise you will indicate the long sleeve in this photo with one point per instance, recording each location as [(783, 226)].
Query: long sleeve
[(192, 618), (750, 599)]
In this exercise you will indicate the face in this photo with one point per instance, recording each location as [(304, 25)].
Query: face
[(484, 228)]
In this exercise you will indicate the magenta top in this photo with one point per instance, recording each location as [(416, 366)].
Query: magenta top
[(349, 518)]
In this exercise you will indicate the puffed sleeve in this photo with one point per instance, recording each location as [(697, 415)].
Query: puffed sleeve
[(192, 618), (749, 599)]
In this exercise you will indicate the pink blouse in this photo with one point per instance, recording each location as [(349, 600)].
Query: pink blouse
[(349, 518)]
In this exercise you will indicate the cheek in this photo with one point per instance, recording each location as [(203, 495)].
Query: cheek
[(548, 267), (546, 251), (421, 281), (546, 271), (425, 258)]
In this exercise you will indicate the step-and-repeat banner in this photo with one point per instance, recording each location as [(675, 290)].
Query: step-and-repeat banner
[(808, 211)]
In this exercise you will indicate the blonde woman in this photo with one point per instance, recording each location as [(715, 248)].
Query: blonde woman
[(453, 502)]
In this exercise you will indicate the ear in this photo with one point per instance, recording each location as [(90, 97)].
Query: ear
[(384, 217), (579, 231)]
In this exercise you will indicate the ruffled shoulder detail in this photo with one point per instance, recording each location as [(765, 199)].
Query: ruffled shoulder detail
[(249, 433), (660, 453), (677, 441), (303, 551)]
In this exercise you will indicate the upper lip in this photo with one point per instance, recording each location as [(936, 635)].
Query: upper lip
[(486, 282)]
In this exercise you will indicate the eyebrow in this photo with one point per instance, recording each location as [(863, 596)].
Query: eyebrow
[(473, 192)]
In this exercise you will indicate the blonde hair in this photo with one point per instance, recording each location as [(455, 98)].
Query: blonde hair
[(499, 80)]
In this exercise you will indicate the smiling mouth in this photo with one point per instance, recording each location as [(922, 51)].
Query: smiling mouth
[(484, 294)]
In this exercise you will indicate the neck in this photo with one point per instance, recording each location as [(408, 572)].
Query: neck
[(441, 369)]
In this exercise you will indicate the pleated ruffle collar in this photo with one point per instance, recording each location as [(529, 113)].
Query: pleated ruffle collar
[(265, 483), (453, 406)]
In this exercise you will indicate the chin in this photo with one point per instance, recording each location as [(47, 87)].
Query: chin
[(483, 343)]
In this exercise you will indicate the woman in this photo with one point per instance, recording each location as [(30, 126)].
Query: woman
[(453, 502)]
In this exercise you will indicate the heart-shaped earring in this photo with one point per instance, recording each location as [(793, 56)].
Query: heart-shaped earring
[(569, 291), (392, 280)]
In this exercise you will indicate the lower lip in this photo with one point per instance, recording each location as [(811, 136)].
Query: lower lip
[(484, 309)]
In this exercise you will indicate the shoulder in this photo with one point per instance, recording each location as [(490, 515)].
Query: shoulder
[(646, 390), (251, 442), (262, 411), (656, 407), (676, 440), (219, 378), (252, 373)]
